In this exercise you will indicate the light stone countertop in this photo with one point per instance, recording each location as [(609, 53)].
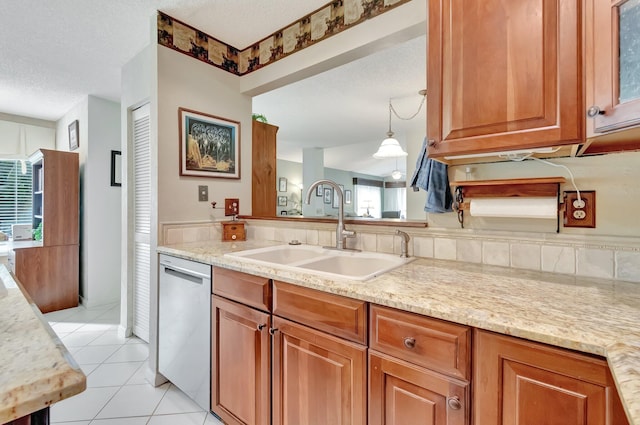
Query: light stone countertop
[(596, 316), (35, 368)]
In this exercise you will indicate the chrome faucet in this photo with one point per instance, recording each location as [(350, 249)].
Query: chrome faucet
[(404, 247), (341, 233)]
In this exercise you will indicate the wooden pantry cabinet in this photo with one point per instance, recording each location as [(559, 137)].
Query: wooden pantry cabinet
[(49, 271), (286, 368), (518, 382), (503, 75)]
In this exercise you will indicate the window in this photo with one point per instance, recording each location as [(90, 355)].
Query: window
[(15, 194), (368, 197)]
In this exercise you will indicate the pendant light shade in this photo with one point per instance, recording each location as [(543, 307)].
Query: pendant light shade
[(390, 147), (396, 174)]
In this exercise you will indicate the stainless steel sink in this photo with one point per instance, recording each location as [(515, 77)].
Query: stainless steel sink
[(325, 262)]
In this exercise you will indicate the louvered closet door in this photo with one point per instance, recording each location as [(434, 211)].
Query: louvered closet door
[(141, 221)]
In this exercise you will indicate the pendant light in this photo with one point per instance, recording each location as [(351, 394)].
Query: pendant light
[(396, 173), (390, 147)]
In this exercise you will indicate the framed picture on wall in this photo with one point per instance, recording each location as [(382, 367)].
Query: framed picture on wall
[(282, 201), (209, 145), (282, 184), (347, 196), (336, 200), (74, 135), (319, 190), (328, 194)]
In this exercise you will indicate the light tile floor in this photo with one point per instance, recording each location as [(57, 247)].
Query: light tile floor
[(117, 392)]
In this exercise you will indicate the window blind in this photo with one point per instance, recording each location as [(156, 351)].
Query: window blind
[(15, 194)]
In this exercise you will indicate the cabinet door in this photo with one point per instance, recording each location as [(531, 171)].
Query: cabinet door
[(503, 75), (240, 369), (517, 382), (613, 64), (401, 393), (318, 379), (263, 174)]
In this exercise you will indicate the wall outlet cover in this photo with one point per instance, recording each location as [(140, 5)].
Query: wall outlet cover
[(231, 206), (580, 217)]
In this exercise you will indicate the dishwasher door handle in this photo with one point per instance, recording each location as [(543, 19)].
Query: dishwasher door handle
[(182, 271)]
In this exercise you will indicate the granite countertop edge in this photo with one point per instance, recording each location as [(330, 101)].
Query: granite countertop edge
[(595, 316)]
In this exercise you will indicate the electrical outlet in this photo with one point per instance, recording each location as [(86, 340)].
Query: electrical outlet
[(203, 193), (580, 213), (231, 206)]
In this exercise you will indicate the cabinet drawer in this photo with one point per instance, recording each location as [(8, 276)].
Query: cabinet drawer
[(432, 343), (247, 289), (233, 231), (337, 315)]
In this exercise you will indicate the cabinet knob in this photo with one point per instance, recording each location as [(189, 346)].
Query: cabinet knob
[(594, 111), (454, 403), (272, 331), (409, 342), (431, 142), (234, 237), (261, 327)]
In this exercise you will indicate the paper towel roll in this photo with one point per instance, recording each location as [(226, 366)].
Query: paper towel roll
[(518, 207)]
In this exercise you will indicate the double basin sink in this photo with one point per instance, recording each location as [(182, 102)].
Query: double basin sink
[(331, 263)]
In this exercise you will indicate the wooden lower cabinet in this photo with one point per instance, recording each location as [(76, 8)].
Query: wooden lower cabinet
[(241, 363), (518, 382), (318, 379), (402, 393)]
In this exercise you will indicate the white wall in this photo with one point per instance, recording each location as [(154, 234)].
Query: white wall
[(99, 122), (189, 83)]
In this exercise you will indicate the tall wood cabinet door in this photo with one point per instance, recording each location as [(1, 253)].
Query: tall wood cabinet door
[(240, 369), (518, 382), (318, 379), (613, 60), (401, 393), (264, 170), (503, 75)]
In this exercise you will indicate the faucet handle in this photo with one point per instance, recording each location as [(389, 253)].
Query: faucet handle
[(348, 233)]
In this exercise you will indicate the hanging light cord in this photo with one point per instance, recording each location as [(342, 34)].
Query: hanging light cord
[(391, 108)]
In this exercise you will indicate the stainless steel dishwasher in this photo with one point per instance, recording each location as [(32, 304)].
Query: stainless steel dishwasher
[(184, 331)]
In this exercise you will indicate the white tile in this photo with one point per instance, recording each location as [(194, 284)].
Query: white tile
[(60, 315), (175, 401), (174, 236), (495, 253), (312, 237), (73, 423), (367, 242), (263, 233), (594, 262), (84, 406), (88, 368), (138, 377), (628, 266), (109, 338), (558, 259), (469, 250), (138, 420), (112, 374), (525, 256), (80, 339), (189, 234), (325, 237), (384, 243), (423, 247), (135, 340), (130, 353), (95, 353), (444, 249), (183, 419), (66, 327), (96, 325), (133, 400)]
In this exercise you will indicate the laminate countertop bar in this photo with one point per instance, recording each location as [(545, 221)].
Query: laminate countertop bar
[(36, 370), (596, 316)]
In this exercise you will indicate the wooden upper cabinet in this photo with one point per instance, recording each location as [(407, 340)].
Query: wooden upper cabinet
[(264, 170), (612, 77), (503, 75)]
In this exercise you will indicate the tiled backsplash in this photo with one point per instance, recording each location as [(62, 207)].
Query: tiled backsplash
[(606, 257)]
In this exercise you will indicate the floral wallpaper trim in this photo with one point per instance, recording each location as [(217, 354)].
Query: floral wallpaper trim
[(331, 19)]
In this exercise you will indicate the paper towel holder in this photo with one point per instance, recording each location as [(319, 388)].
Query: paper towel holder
[(525, 187)]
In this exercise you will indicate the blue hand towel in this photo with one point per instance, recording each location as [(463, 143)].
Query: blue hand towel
[(432, 176)]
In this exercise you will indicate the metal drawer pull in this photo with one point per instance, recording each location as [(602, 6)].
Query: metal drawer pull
[(272, 331), (454, 403), (594, 111), (260, 327), (410, 342)]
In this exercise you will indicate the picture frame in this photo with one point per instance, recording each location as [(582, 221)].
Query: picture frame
[(116, 168), (282, 201), (282, 184), (328, 194), (283, 212), (209, 145), (319, 190), (347, 196), (336, 201), (74, 135)]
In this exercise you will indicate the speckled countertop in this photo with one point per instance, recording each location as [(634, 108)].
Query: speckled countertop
[(35, 368), (590, 315)]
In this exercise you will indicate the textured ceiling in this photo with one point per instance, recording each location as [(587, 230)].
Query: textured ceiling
[(55, 53)]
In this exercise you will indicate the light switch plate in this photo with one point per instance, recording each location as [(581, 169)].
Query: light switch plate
[(203, 193)]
